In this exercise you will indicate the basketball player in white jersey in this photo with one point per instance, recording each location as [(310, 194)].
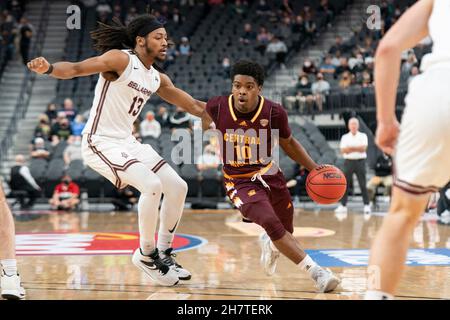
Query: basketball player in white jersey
[(420, 145), (10, 285), (128, 77)]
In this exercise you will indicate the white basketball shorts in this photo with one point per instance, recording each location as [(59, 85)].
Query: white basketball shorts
[(422, 159), (108, 156)]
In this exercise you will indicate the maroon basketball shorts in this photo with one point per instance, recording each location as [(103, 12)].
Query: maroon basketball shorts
[(268, 206)]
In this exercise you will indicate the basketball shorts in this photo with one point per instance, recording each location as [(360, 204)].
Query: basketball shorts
[(422, 159), (271, 208), (108, 156)]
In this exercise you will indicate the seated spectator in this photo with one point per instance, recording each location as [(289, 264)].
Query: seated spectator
[(69, 110), (150, 127), (179, 119), (39, 150), (299, 182), (328, 10), (309, 67), (367, 80), (336, 59), (163, 116), (408, 64), (43, 128), (226, 68), (184, 48), (280, 50), (262, 40), (383, 176), (61, 128), (73, 150), (22, 180), (131, 15), (240, 7), (249, 35), (298, 30), (51, 113), (369, 47), (125, 199), (310, 28), (356, 63), (209, 159), (346, 80), (343, 67), (78, 125), (66, 195), (303, 97), (327, 66), (26, 33), (320, 89), (284, 29), (337, 46), (263, 9)]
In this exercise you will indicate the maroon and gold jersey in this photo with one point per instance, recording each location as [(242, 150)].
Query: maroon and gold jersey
[(247, 137)]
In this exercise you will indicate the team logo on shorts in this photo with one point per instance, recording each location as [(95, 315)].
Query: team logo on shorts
[(92, 243), (124, 155), (264, 122), (251, 193)]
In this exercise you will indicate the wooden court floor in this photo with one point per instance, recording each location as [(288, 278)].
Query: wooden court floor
[(68, 256)]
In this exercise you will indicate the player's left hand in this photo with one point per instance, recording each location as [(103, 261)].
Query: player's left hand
[(386, 135)]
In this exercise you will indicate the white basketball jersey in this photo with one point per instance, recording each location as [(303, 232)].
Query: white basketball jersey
[(118, 103), (438, 26)]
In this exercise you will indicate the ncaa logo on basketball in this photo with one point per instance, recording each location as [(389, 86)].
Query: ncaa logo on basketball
[(331, 175), (92, 243)]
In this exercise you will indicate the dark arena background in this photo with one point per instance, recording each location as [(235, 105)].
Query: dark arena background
[(319, 60)]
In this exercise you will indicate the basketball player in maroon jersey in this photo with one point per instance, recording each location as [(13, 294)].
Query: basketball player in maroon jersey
[(254, 183)]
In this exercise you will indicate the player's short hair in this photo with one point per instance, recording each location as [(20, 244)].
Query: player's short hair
[(248, 68)]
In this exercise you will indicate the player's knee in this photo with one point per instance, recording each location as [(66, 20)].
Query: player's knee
[(182, 188), (151, 186)]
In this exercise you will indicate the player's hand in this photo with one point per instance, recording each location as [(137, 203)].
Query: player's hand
[(39, 65), (386, 135)]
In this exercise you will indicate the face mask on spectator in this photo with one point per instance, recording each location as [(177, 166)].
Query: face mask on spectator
[(66, 182)]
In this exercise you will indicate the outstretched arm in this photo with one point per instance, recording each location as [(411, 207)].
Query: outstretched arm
[(296, 152), (111, 61), (180, 98)]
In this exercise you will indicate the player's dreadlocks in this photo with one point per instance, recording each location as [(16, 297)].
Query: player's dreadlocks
[(248, 68), (118, 36)]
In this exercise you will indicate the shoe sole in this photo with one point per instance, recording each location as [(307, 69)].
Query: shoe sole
[(185, 278), (157, 281), (11, 295)]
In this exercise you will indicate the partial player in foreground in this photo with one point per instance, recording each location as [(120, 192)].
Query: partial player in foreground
[(255, 184), (421, 145), (10, 285), (128, 78)]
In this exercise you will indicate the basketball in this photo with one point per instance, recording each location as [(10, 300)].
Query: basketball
[(326, 185)]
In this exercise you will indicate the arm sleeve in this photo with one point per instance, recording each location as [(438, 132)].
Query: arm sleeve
[(280, 121), (25, 172)]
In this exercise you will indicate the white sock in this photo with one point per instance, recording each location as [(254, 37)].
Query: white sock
[(165, 240), (272, 246), (307, 264), (9, 266), (378, 295)]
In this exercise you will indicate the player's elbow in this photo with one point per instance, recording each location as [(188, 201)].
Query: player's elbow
[(386, 48)]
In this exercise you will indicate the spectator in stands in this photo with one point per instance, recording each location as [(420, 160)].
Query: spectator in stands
[(163, 116), (26, 33), (179, 119), (298, 31), (69, 109), (286, 8), (131, 15), (343, 67), (78, 125), (285, 28), (262, 39), (383, 176), (43, 128), (328, 10), (209, 159), (22, 180), (51, 113), (327, 66), (240, 7), (177, 18), (61, 128), (184, 48), (125, 199), (39, 150), (263, 9), (410, 62), (345, 80), (66, 195), (320, 90), (353, 146), (150, 127), (337, 46), (310, 28), (249, 36), (356, 62), (103, 8), (309, 67), (73, 150), (137, 130), (304, 95), (367, 80), (280, 50), (368, 49), (226, 68), (336, 59), (299, 182), (118, 13)]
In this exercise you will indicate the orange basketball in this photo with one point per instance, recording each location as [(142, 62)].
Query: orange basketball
[(326, 185)]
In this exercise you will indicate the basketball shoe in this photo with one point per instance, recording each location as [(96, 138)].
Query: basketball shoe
[(169, 258), (325, 280), (11, 287), (269, 256), (155, 268)]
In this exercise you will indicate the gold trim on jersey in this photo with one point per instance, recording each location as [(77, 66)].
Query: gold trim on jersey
[(233, 115), (262, 172)]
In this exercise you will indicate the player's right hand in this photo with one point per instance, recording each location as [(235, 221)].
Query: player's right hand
[(38, 65)]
